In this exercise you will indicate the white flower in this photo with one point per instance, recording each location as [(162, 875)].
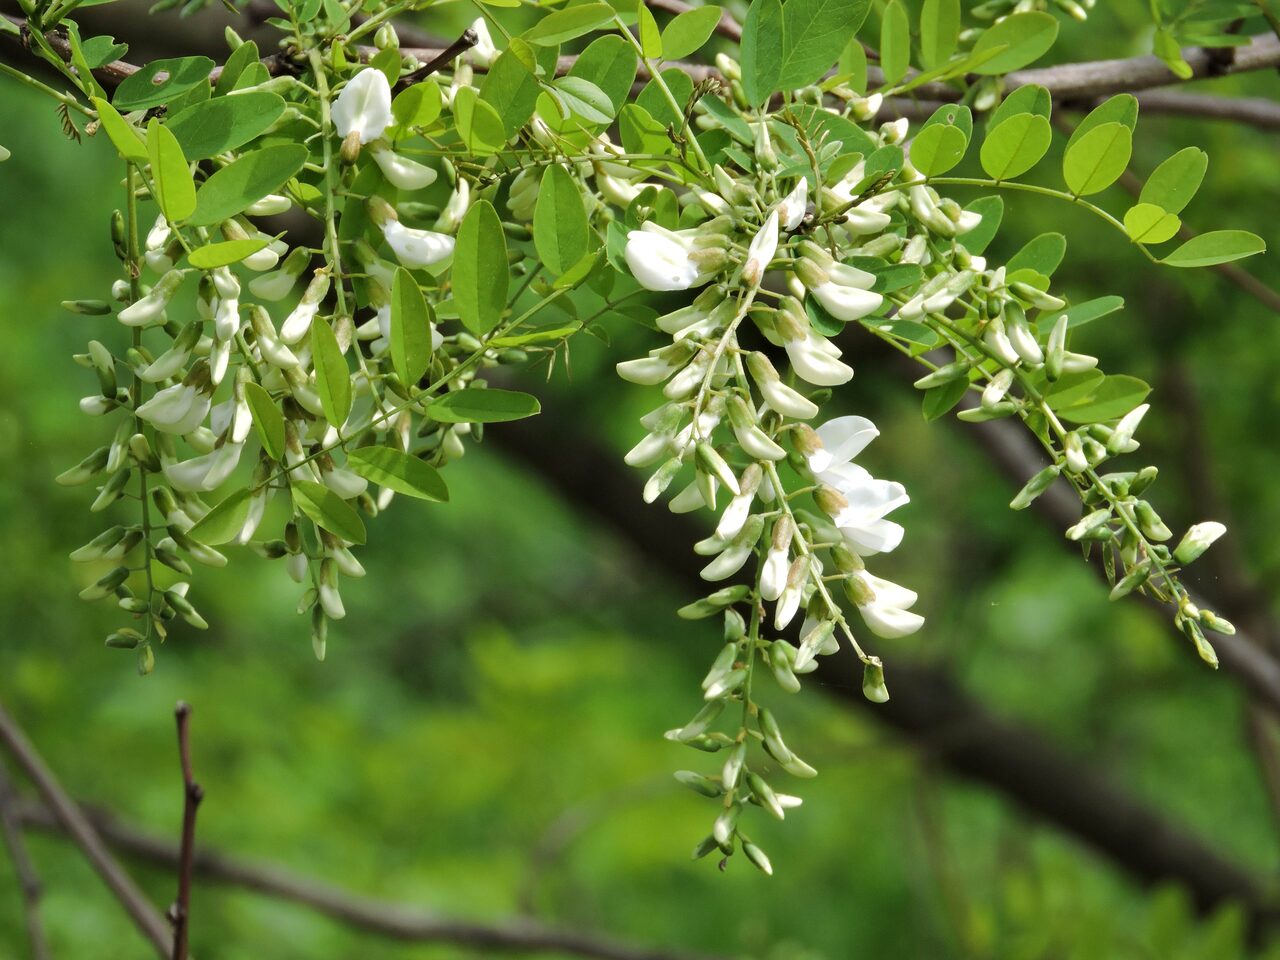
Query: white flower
[(659, 260), (455, 207), (761, 250), (1197, 540), (205, 472), (888, 614), (417, 248), (364, 106), (816, 360), (483, 52), (401, 172), (861, 519), (791, 207), (847, 294), (176, 409), (842, 439)]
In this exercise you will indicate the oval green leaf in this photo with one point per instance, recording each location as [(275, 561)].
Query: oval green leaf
[(1097, 159), (326, 509), (1174, 183), (398, 471), (938, 148), (224, 521), (568, 24), (175, 189), (122, 134), (410, 328), (211, 127), (1015, 145), (224, 253), (560, 229), (1218, 246), (1149, 223), (476, 405), (246, 181), (686, 34), (480, 269), (333, 377), (267, 419), (160, 81), (1026, 37)]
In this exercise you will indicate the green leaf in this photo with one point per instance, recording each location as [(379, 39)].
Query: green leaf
[(761, 51), (1015, 146), (1174, 183), (480, 269), (1165, 46), (333, 377), (214, 126), (1097, 159), (99, 51), (814, 32), (141, 91), (686, 34), (326, 509), (992, 211), (560, 229), (543, 335), (246, 181), (568, 24), (610, 63), (1031, 98), (479, 125), (1121, 109), (122, 134), (1217, 246), (1109, 397), (511, 88), (1043, 254), (938, 148), (418, 105), (224, 521), (641, 133), (224, 253), (476, 405), (410, 328), (1149, 223), (650, 35), (653, 100), (267, 418), (584, 99), (941, 399), (1082, 313), (175, 189), (939, 31), (1026, 37), (895, 43), (398, 471), (243, 57)]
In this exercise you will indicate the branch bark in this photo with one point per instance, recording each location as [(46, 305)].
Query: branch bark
[(192, 794), (144, 915), (386, 919), (28, 879)]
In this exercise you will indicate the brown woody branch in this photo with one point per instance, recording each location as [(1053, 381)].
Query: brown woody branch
[(69, 816), (28, 879), (386, 919), (192, 794)]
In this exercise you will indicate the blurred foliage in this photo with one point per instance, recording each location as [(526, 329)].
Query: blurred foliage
[(484, 737)]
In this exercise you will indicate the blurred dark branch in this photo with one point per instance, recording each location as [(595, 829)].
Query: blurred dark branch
[(927, 703), (386, 919), (73, 821), (192, 794), (25, 870), (1255, 111)]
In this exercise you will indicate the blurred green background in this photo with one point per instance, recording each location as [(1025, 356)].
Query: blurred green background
[(484, 738)]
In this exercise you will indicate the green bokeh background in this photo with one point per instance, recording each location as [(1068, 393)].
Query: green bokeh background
[(484, 738)]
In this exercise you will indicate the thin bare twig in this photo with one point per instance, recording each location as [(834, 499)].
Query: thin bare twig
[(393, 920), (192, 794), (28, 877), (140, 910)]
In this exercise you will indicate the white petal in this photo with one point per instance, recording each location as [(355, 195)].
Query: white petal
[(364, 106), (417, 248), (842, 439), (890, 623)]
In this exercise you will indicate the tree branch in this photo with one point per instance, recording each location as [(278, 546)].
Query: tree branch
[(192, 794), (28, 878), (393, 920), (140, 910)]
